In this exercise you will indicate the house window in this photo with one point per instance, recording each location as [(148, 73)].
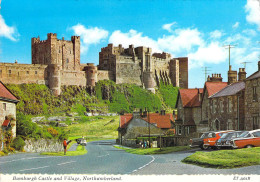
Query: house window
[(255, 123), (221, 106), (4, 106), (229, 105), (254, 94), (179, 130), (230, 124)]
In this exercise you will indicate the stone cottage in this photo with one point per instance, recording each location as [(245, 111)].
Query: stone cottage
[(189, 111), (7, 110), (226, 111), (138, 124), (252, 101)]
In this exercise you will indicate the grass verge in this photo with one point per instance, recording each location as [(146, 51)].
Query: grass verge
[(225, 159), (150, 151), (81, 150)]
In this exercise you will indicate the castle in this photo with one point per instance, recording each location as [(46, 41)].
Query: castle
[(56, 62)]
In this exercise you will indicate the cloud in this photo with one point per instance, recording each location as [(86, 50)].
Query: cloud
[(168, 26), (216, 34), (133, 37), (89, 35), (250, 32), (236, 25), (6, 31), (253, 9), (181, 40), (212, 53)]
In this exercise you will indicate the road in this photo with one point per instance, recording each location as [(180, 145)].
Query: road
[(103, 158)]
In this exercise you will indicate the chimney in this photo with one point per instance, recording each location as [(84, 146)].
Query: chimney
[(241, 74), (258, 65), (232, 76)]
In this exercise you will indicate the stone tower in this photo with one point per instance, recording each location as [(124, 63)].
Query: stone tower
[(58, 55)]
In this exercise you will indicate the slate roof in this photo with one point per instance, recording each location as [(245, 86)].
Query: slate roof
[(6, 94), (214, 87), (254, 75), (190, 97), (230, 90), (161, 121)]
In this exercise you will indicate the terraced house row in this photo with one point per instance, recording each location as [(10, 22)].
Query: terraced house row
[(232, 105)]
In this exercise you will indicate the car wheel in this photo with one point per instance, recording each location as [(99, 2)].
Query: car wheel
[(205, 147), (249, 146)]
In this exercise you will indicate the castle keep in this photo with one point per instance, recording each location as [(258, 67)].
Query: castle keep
[(57, 62)]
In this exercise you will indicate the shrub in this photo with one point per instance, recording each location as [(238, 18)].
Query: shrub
[(53, 132), (18, 143)]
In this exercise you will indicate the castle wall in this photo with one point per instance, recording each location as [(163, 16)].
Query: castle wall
[(73, 78), (183, 72), (104, 75), (14, 73)]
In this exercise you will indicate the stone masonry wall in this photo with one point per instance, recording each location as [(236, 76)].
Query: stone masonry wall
[(43, 145), (15, 73), (73, 78), (252, 106), (8, 109)]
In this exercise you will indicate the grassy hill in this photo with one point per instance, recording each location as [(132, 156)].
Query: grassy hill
[(109, 97)]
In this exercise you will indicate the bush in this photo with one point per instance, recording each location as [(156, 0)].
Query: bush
[(18, 143), (53, 132)]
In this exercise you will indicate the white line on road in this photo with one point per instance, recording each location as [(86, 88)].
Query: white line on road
[(145, 164), (28, 159), (34, 168), (103, 155), (65, 163)]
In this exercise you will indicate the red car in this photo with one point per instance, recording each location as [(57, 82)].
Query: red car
[(210, 142), (247, 139)]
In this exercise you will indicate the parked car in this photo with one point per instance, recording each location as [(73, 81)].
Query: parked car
[(225, 139), (81, 141), (198, 142), (210, 141), (247, 139)]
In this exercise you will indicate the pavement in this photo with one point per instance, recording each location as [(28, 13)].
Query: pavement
[(103, 158)]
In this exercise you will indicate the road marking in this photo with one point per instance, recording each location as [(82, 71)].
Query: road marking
[(35, 168), (65, 163), (28, 159), (103, 155), (145, 164)]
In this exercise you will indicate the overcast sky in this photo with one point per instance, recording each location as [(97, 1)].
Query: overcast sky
[(193, 28)]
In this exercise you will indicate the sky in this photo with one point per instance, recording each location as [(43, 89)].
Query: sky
[(197, 29)]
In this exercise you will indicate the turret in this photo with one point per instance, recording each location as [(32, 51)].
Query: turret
[(91, 72), (54, 80)]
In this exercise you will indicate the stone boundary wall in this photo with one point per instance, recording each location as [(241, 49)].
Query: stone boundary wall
[(43, 145)]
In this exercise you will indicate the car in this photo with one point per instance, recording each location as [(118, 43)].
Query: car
[(247, 139), (198, 142), (81, 141), (210, 141), (225, 139)]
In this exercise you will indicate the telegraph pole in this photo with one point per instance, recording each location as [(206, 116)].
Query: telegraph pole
[(149, 130), (229, 47), (206, 72)]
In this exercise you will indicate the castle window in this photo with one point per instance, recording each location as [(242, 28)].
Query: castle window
[(67, 61), (35, 72), (9, 71), (18, 73), (27, 72), (4, 106), (1, 73)]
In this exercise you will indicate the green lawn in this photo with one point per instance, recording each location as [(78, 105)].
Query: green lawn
[(226, 158), (81, 150), (99, 129), (150, 151)]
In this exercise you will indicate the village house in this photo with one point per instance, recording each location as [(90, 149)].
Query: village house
[(189, 111), (193, 107), (140, 123), (252, 101), (7, 111)]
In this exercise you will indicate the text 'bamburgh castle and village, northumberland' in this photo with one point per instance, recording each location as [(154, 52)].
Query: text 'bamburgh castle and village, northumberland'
[(56, 63)]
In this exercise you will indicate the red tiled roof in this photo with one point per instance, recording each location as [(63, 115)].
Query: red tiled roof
[(6, 123), (190, 97), (214, 87), (161, 121), (6, 94)]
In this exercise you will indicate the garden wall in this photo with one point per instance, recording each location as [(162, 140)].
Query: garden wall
[(43, 145)]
